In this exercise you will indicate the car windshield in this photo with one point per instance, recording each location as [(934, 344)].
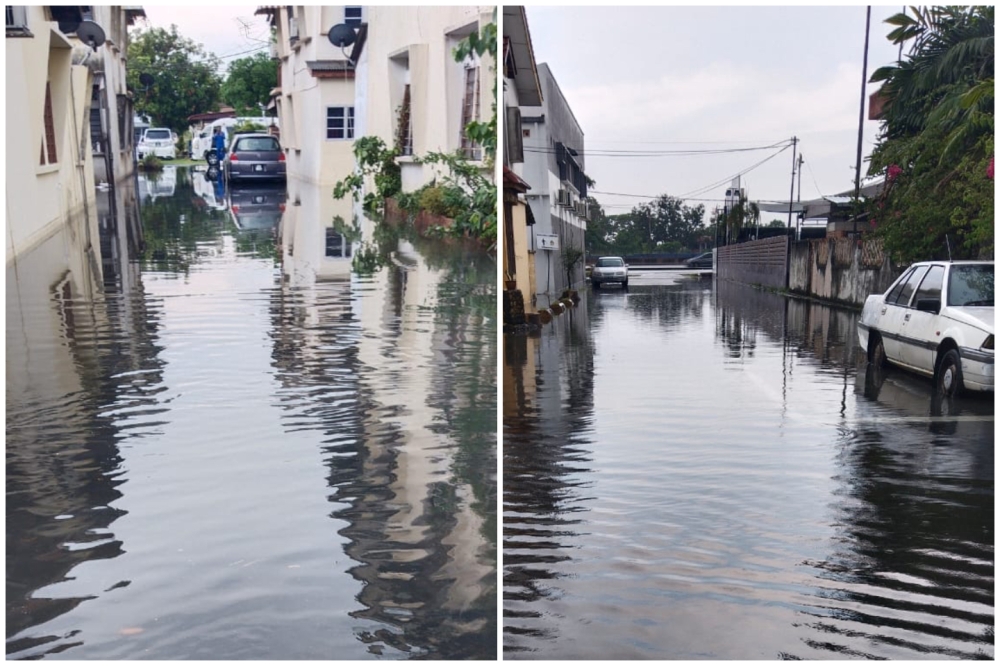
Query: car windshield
[(157, 135), (971, 285), (258, 143), (609, 262)]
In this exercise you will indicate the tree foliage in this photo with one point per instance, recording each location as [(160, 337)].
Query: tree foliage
[(935, 148), (662, 225), (185, 78), (249, 82)]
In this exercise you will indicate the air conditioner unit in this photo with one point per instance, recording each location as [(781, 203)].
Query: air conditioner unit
[(293, 28), (563, 198), (581, 209)]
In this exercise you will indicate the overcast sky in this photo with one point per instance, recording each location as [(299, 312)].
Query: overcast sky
[(226, 30), (644, 78)]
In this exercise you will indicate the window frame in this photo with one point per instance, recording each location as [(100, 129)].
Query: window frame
[(354, 20), (916, 277), (920, 293), (348, 123)]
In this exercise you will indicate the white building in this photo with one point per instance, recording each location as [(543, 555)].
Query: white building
[(554, 166), (410, 90), (52, 78)]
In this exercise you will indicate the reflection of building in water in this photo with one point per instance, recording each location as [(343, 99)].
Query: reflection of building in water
[(312, 247), (548, 411), (364, 369), (72, 360)]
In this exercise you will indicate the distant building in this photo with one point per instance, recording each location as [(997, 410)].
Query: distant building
[(554, 166)]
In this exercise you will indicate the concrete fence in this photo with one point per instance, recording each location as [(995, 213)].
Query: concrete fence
[(762, 262), (840, 269)]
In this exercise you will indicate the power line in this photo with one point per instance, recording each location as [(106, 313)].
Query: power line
[(656, 153), (702, 190), (818, 191)]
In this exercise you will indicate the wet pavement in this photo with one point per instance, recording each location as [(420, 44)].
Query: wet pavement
[(702, 471), (232, 456)]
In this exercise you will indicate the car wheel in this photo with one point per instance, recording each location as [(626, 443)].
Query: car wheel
[(597, 286), (876, 351), (625, 284), (949, 374)]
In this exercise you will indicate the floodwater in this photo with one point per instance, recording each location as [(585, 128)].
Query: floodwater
[(701, 471), (222, 459)]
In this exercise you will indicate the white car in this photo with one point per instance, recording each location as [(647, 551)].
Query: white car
[(936, 320), (609, 269), (158, 141)]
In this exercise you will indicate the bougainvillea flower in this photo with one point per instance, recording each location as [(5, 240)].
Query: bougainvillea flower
[(989, 170), (894, 171)]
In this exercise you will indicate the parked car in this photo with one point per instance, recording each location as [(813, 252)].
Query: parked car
[(609, 269), (254, 157), (703, 260), (158, 141), (936, 320)]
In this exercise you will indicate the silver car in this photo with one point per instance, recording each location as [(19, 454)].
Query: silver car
[(254, 157), (609, 269)]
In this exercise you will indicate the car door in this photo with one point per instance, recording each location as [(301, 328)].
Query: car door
[(893, 314), (920, 330)]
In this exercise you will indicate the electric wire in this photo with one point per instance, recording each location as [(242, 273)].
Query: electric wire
[(658, 153)]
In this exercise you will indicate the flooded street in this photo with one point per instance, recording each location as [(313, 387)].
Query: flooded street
[(235, 455), (708, 471)]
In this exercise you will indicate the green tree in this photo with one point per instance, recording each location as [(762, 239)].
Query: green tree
[(665, 224), (597, 240), (185, 79), (249, 82), (774, 224), (935, 147)]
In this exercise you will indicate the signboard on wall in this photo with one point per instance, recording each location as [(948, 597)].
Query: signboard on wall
[(547, 241)]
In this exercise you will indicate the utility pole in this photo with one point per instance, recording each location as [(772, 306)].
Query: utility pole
[(861, 122), (791, 193), (799, 200)]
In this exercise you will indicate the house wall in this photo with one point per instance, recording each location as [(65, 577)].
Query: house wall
[(42, 200), (541, 171), (839, 269), (423, 39)]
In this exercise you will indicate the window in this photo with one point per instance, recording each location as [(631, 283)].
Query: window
[(258, 144), (49, 140), (931, 286), (404, 131), (352, 15), (971, 285), (898, 287), (340, 122), (470, 110), (336, 244), (17, 22), (910, 285)]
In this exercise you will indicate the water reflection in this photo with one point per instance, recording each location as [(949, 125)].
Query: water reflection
[(244, 465), (737, 484)]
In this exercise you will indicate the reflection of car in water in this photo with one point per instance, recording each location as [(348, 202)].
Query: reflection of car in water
[(256, 206), (158, 184), (907, 396)]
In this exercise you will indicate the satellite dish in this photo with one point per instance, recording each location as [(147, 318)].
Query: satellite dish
[(90, 33), (341, 35)]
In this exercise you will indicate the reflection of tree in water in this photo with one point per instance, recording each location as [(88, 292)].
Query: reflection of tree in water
[(912, 569), (545, 444), (407, 577), (174, 225), (63, 459)]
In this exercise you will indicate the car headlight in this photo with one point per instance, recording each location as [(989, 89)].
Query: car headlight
[(989, 343)]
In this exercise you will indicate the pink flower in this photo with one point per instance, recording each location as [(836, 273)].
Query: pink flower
[(989, 170), (894, 171)]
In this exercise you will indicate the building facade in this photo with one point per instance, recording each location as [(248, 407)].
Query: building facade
[(554, 166), (69, 138), (520, 86), (410, 90)]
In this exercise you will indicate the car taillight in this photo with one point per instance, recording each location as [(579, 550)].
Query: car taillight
[(281, 207), (989, 343), (281, 157), (233, 157), (235, 209)]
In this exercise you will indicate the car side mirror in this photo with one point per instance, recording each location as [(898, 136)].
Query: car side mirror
[(929, 305)]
